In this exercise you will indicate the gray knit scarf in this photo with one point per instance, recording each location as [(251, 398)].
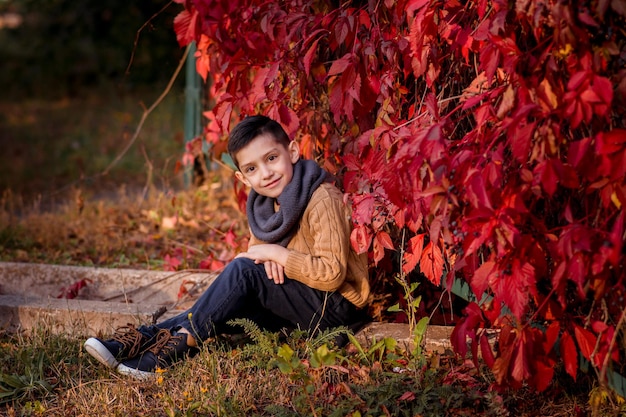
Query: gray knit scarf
[(279, 226)]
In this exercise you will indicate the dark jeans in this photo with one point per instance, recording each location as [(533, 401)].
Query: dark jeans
[(243, 290)]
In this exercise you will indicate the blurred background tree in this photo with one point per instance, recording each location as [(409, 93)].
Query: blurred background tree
[(59, 48), (75, 79)]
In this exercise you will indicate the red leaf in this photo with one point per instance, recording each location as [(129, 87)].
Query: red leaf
[(185, 26), (569, 355), (231, 238), (577, 80), (604, 90), (552, 334), (413, 253), (308, 57), (480, 280), (361, 238), (586, 341), (182, 289), (202, 57), (407, 396), (476, 191), (211, 264), (542, 375), (521, 139), (72, 291), (611, 142), (521, 358), (431, 263), (340, 65), (514, 288), (381, 241), (288, 119), (384, 239), (363, 208), (466, 327), (617, 239), (485, 350), (579, 152), (546, 177), (223, 112), (489, 60), (171, 263), (577, 270)]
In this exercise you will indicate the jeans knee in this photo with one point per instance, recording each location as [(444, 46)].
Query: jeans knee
[(240, 266), (244, 269)]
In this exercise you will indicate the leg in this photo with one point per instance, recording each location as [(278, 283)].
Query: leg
[(243, 287), (241, 290)]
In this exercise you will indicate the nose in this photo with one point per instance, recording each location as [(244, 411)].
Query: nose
[(266, 172)]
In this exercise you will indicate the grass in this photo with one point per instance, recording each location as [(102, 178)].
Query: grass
[(229, 378), (55, 207), (130, 230), (244, 377)]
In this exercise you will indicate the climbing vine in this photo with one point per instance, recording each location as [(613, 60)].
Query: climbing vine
[(492, 133)]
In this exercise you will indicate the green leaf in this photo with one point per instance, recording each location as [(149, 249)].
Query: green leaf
[(395, 308), (420, 327), (285, 352)]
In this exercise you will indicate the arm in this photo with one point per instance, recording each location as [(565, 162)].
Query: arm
[(273, 257), (318, 253)]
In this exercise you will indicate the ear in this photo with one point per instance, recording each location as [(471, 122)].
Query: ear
[(241, 178), (294, 151)]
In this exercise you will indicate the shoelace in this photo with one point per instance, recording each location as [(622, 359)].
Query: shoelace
[(165, 343), (129, 337)]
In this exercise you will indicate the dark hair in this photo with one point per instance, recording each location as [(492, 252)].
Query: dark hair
[(251, 127)]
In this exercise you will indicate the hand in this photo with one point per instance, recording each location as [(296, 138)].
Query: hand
[(273, 257), (275, 272)]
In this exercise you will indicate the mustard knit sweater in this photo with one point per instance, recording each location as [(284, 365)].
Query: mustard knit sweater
[(320, 254)]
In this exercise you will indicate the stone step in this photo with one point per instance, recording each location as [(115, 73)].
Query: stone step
[(116, 297), (63, 316)]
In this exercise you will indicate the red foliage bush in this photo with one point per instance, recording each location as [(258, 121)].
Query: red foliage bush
[(492, 132)]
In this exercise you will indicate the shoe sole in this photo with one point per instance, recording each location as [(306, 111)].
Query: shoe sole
[(135, 373), (100, 352)]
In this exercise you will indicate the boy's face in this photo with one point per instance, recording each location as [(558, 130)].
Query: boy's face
[(266, 165)]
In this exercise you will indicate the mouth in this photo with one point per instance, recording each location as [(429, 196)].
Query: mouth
[(273, 183)]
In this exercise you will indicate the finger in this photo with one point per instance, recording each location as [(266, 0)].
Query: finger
[(278, 279), (268, 270), (279, 274)]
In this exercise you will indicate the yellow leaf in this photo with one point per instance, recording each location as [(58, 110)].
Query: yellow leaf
[(615, 200)]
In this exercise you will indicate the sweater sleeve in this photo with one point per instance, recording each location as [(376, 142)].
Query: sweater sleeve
[(319, 251)]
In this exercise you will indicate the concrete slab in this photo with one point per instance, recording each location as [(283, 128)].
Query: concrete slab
[(110, 297), (103, 284), (63, 316), (436, 339), (116, 297)]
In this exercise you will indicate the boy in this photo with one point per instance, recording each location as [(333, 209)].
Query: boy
[(299, 270)]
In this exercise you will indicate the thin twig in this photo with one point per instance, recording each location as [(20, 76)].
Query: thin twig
[(132, 55), (605, 365), (184, 245), (146, 188), (157, 281), (147, 112)]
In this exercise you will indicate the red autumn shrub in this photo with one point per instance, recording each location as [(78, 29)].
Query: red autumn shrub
[(484, 141)]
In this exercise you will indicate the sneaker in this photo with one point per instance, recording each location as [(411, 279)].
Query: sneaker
[(127, 342), (169, 348)]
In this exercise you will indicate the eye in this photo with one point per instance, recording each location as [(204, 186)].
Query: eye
[(272, 157), (249, 170)]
